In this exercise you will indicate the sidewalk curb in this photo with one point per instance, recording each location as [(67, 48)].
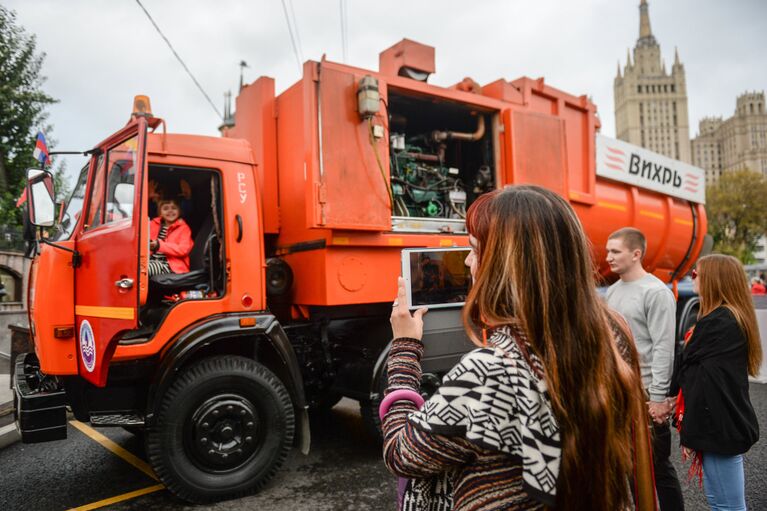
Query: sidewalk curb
[(9, 435)]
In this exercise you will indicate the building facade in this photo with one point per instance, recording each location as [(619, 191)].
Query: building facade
[(650, 103), (706, 149), (736, 143), (739, 141)]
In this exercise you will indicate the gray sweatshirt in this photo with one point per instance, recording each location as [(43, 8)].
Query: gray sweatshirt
[(650, 309)]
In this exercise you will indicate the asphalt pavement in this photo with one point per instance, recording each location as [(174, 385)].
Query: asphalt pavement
[(343, 472)]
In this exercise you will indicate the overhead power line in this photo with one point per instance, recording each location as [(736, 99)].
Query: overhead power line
[(298, 32), (299, 59), (180, 59), (342, 6)]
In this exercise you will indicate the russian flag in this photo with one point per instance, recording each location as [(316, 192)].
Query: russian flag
[(41, 149)]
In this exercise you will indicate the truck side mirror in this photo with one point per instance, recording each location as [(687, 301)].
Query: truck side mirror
[(41, 198)]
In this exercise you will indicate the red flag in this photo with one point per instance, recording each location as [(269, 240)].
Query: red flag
[(22, 198)]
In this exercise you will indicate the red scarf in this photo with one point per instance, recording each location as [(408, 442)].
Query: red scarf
[(696, 468)]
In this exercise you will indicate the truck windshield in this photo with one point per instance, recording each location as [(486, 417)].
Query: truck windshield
[(72, 208)]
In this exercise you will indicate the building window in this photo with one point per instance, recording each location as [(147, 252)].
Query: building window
[(672, 87), (11, 282), (639, 89)]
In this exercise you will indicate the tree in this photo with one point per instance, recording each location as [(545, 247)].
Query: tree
[(22, 111), (736, 208)]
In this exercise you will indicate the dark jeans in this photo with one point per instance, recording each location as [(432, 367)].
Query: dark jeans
[(666, 480)]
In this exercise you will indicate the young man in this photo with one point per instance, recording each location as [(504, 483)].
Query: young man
[(650, 309)]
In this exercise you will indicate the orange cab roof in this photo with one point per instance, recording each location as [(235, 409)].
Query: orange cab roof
[(198, 146)]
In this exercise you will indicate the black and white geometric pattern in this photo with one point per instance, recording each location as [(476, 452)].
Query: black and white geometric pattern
[(158, 263), (496, 400)]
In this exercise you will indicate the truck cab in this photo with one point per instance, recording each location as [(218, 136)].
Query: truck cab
[(194, 360)]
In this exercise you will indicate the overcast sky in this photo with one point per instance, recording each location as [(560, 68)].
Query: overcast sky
[(101, 53)]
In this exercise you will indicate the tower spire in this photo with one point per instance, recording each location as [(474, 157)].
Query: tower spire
[(644, 20), (645, 32), (619, 68)]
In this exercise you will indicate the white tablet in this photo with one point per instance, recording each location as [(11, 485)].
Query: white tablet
[(436, 277)]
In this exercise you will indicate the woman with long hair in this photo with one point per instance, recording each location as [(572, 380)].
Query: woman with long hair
[(718, 423), (541, 414)]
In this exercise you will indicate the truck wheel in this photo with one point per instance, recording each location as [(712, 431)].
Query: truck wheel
[(222, 430)]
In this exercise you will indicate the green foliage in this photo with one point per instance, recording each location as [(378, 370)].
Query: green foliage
[(736, 208), (22, 111)]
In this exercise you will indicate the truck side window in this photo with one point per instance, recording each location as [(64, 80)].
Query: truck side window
[(72, 208), (121, 161), (96, 200)]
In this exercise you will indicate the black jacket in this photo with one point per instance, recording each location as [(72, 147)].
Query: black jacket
[(713, 375)]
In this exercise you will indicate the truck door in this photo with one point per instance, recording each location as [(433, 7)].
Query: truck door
[(352, 192), (107, 283)]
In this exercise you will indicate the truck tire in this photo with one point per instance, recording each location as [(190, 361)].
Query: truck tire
[(222, 430)]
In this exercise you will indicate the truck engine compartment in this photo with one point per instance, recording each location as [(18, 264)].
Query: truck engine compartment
[(442, 157)]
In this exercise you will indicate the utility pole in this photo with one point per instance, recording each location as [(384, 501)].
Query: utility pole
[(243, 65)]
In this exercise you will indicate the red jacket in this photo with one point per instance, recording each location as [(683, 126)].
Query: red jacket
[(177, 244)]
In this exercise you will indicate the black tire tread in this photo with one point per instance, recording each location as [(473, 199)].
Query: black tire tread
[(202, 370)]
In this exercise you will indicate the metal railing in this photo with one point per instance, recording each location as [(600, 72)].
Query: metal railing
[(11, 238)]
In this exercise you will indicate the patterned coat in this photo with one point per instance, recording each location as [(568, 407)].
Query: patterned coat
[(486, 440)]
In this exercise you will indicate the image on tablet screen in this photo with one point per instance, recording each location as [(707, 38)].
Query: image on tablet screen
[(439, 277)]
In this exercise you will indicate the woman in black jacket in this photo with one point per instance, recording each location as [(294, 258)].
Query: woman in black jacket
[(718, 423)]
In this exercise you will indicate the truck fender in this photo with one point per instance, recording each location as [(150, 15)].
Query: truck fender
[(192, 341)]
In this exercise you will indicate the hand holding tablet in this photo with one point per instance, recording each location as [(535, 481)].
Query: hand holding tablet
[(403, 324)]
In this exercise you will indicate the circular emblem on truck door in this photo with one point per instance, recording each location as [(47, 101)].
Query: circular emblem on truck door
[(87, 346)]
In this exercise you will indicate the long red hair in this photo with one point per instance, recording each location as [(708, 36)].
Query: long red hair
[(535, 271), (723, 282)]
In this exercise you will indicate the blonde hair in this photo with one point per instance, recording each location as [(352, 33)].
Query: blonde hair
[(723, 282), (632, 238)]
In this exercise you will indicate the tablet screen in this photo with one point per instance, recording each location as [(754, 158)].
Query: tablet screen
[(436, 277)]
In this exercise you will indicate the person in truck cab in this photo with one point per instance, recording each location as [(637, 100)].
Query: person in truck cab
[(170, 239)]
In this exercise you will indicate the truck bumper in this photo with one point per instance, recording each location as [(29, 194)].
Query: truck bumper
[(41, 413)]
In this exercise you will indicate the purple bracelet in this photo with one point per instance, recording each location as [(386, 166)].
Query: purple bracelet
[(399, 395)]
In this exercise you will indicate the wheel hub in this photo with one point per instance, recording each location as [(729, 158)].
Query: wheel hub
[(224, 431)]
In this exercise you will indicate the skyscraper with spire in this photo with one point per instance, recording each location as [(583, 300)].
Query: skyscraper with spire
[(650, 103)]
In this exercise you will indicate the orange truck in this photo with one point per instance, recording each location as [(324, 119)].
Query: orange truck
[(299, 214)]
